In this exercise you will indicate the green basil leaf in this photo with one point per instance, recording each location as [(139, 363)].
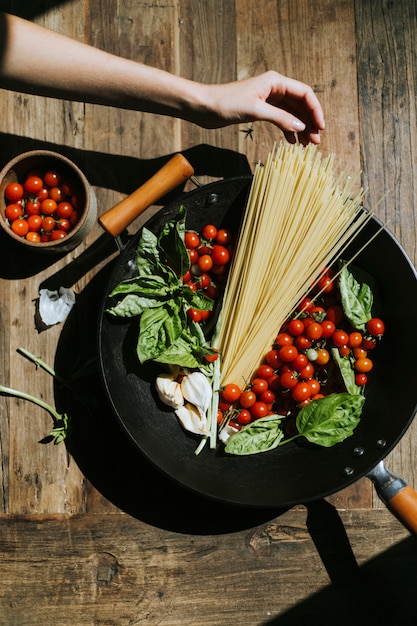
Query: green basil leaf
[(330, 420), (133, 305), (171, 242), (147, 286), (197, 300), (179, 353), (148, 261), (159, 328), (356, 296), (262, 435), (347, 371)]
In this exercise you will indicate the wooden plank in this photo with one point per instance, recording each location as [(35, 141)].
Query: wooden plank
[(114, 569), (387, 62)]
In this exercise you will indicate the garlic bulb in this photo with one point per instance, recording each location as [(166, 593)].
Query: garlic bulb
[(196, 389), (191, 419), (169, 391)]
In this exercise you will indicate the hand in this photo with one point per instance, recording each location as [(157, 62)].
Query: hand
[(272, 97)]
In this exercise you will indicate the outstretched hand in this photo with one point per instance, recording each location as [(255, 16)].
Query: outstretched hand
[(272, 97)]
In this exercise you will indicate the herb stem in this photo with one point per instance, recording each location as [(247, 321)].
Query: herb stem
[(26, 396)]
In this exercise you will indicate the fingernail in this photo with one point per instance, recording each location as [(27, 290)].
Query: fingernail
[(298, 126)]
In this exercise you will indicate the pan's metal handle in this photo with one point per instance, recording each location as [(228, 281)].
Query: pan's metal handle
[(175, 172), (399, 497)]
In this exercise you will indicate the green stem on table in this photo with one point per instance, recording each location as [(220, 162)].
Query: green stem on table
[(40, 363), (26, 396)]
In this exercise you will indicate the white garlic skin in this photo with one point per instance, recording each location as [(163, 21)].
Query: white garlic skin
[(169, 391), (196, 389), (191, 419)]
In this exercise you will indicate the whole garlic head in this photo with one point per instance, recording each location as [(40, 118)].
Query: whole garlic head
[(169, 391)]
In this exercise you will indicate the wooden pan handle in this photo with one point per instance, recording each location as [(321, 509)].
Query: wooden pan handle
[(399, 497), (176, 171)]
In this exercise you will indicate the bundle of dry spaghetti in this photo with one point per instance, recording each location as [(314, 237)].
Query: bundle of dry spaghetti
[(300, 215)]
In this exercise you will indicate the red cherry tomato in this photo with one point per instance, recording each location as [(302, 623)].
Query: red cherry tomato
[(191, 240), (375, 327), (295, 327), (244, 417), (48, 224), (259, 409), (33, 184), (58, 234), (33, 207), (33, 237), (231, 393), (264, 371), (247, 399), (301, 392), (13, 211), (20, 227), (14, 192), (205, 263), (52, 178), (48, 206), (34, 222), (220, 255), (223, 236), (209, 232), (259, 385)]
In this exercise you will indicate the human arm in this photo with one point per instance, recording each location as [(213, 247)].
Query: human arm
[(37, 60)]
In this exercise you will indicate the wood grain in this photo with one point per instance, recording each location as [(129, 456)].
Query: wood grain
[(92, 534), (113, 569)]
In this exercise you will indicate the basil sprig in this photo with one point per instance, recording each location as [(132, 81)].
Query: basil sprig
[(356, 291), (158, 296), (324, 422)]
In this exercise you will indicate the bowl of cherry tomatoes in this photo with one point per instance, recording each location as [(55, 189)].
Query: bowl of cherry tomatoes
[(46, 202)]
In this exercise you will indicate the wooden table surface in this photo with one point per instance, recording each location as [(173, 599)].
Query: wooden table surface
[(92, 534)]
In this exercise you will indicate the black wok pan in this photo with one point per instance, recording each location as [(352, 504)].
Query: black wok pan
[(294, 473)]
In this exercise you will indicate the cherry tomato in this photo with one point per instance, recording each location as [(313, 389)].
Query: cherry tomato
[(220, 416), (212, 292), (273, 359), (314, 386), (359, 353), (299, 362), (223, 236), (363, 365), (314, 331), (42, 194), (259, 409), (340, 338), (56, 193), (194, 314), (274, 382), (361, 379), (325, 284), (33, 184), (203, 281), (335, 314), (52, 178), (209, 232), (205, 263), (48, 224), (220, 255), (327, 328), (302, 342), (211, 357), (368, 344), (20, 227), (13, 211), (283, 339), (344, 350), (288, 379), (231, 393), (58, 234), (191, 239), (64, 224), (307, 372), (288, 353), (323, 356), (34, 222), (33, 237), (375, 327), (264, 371), (244, 417), (247, 399), (267, 396), (33, 207), (193, 254), (301, 391), (306, 305), (355, 339), (259, 385), (14, 192), (48, 206), (295, 327)]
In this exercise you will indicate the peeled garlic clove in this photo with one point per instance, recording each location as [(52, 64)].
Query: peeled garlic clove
[(191, 419), (169, 391), (227, 432), (196, 389)]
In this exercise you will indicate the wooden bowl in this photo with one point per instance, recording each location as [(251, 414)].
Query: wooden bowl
[(43, 160)]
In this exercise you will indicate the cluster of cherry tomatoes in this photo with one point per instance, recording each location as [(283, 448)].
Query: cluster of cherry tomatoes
[(299, 367), (210, 255), (43, 207)]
